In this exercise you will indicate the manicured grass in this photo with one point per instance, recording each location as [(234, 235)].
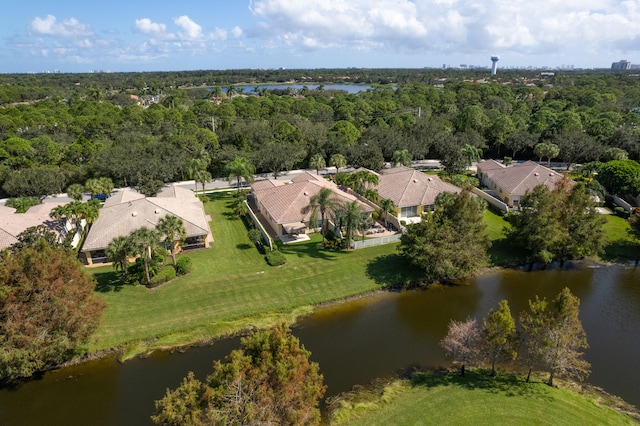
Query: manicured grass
[(500, 252), (620, 246), (435, 399), (232, 288)]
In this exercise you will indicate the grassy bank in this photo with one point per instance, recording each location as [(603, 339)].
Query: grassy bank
[(447, 399), (232, 288)]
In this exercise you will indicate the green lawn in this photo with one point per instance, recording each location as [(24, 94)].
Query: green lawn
[(620, 246), (475, 400), (232, 288)]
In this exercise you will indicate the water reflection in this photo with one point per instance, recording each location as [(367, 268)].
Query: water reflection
[(355, 342)]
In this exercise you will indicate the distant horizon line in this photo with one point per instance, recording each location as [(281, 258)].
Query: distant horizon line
[(461, 67)]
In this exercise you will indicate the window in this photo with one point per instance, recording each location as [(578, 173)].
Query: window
[(411, 211)]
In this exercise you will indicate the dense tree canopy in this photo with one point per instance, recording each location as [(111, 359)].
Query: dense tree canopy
[(61, 130), (270, 380), (450, 242), (557, 224), (47, 309)]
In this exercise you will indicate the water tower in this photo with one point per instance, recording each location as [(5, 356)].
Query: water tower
[(494, 64)]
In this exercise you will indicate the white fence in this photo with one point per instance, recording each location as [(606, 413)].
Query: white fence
[(490, 199), (258, 224), (372, 242), (622, 203)]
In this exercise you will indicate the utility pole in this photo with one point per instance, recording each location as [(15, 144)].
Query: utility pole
[(213, 124)]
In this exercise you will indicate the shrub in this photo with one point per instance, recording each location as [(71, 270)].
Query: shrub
[(255, 236), (620, 211), (22, 204), (275, 258), (165, 274), (184, 265)]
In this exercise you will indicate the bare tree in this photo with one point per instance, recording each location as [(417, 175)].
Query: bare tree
[(462, 342)]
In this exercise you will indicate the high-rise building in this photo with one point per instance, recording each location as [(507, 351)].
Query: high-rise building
[(494, 64), (621, 65)]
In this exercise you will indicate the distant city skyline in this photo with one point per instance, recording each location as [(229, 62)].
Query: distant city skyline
[(74, 36)]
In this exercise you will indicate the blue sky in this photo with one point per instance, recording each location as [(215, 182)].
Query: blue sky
[(79, 36)]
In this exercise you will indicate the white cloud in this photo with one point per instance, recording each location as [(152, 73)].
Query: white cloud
[(236, 32), (68, 28), (146, 26), (191, 30), (446, 25)]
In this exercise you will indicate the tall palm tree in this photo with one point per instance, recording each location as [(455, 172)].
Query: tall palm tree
[(386, 207), (324, 202), (317, 162), (353, 218), (240, 168), (202, 176), (143, 241), (338, 161), (195, 167), (118, 251), (172, 228)]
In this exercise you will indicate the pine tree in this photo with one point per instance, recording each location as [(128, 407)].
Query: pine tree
[(499, 335)]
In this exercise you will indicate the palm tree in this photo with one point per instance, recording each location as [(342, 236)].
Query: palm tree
[(75, 191), (338, 161), (403, 157), (353, 218), (118, 251), (361, 180), (195, 167), (324, 202), (240, 168), (172, 228), (472, 153), (386, 207), (143, 241), (549, 150), (317, 162), (202, 176)]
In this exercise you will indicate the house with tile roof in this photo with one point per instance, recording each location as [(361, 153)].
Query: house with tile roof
[(510, 183), (412, 192), (12, 224), (128, 210), (284, 205)]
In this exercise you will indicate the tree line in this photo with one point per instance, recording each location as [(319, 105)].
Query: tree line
[(86, 131), (550, 338)]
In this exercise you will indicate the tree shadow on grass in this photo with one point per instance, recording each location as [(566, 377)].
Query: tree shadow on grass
[(393, 270), (502, 252), (621, 250), (308, 249), (107, 282), (508, 384), (244, 246)]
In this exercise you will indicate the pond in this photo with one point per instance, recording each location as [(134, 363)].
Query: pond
[(354, 342), (296, 88)]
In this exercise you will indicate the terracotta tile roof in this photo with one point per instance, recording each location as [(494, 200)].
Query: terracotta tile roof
[(120, 219), (408, 187), (486, 165), (265, 184), (123, 196), (522, 177), (11, 225), (287, 203)]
